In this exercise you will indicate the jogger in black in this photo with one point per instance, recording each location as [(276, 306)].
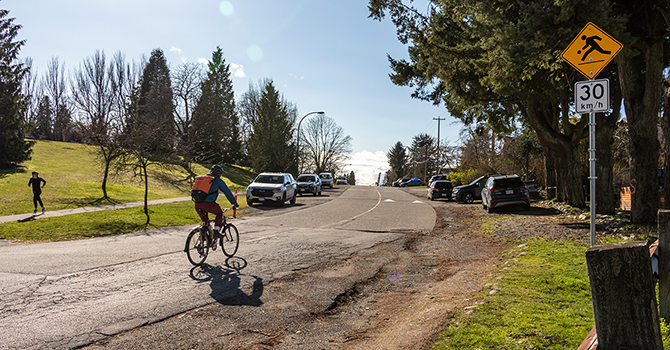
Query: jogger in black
[(37, 190)]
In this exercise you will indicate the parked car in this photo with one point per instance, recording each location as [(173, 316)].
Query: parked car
[(397, 183), (437, 177), (532, 187), (412, 182), (440, 189), (272, 187), (505, 190), (309, 183), (472, 191), (341, 181), (326, 179)]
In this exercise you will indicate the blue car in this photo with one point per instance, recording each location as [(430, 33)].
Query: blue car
[(412, 182)]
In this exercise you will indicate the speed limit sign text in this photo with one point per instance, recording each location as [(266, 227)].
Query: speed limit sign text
[(592, 96)]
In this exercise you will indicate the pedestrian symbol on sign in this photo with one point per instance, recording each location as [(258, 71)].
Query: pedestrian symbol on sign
[(592, 44), (591, 50)]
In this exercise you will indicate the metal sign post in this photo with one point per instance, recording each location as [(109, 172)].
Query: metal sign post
[(590, 97), (589, 52)]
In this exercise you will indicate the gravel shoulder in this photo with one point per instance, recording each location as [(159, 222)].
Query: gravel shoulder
[(396, 295)]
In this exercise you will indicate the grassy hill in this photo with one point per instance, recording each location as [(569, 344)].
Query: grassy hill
[(74, 177)]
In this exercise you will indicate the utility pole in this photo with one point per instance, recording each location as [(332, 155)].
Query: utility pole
[(439, 153)]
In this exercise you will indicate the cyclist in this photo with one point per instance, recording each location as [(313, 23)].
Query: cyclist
[(210, 205)]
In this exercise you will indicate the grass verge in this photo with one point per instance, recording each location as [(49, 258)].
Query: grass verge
[(539, 299), (73, 176), (101, 223)]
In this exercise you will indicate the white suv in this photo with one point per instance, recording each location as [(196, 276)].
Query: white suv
[(274, 187), (326, 179)]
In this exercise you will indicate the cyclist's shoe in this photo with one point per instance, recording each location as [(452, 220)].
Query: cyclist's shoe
[(43, 210), (216, 234), (35, 211)]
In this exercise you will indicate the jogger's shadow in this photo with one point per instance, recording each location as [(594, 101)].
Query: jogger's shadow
[(225, 282)]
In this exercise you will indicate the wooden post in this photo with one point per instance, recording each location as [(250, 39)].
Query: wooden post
[(623, 296), (664, 263)]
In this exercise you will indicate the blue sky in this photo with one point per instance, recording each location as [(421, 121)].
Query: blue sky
[(322, 55)]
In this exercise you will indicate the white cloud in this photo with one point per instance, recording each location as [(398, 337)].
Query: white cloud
[(367, 166), (203, 60), (172, 48), (238, 70)]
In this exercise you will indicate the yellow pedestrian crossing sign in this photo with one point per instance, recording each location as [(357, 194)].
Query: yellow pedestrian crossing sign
[(591, 50)]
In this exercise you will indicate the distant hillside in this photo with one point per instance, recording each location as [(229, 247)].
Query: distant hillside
[(74, 176)]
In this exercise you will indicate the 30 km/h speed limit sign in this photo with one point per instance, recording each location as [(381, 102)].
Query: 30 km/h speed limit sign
[(592, 96)]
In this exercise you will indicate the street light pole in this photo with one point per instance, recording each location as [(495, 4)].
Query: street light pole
[(297, 144)]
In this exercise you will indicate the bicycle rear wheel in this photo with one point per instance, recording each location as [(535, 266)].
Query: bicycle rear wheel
[(196, 247), (230, 240)]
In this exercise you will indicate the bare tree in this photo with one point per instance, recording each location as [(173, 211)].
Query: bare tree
[(30, 89), (326, 145), (55, 88), (96, 92), (186, 90)]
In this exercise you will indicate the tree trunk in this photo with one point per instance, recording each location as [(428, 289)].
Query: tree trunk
[(665, 126), (565, 150), (550, 171), (570, 183), (641, 78), (146, 191), (605, 126)]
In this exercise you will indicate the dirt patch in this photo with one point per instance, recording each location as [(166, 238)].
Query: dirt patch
[(396, 295)]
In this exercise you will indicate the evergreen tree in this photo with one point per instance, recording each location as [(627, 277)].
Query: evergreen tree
[(153, 127), (351, 179), (14, 148), (271, 146), (397, 157), (215, 131), (62, 120), (43, 120)]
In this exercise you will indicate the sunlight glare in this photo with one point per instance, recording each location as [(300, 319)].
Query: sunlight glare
[(255, 53), (226, 8)]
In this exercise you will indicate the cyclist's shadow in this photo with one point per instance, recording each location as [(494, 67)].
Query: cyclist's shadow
[(225, 282)]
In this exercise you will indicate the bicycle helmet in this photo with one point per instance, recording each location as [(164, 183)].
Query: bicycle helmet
[(216, 170)]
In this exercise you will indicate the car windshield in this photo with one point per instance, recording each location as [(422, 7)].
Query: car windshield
[(513, 182), (475, 182), (325, 176), (269, 179), (306, 178)]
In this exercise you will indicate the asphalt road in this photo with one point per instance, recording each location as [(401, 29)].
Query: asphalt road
[(68, 294)]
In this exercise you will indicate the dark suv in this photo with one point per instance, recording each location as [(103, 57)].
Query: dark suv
[(505, 190), (440, 189), (472, 191)]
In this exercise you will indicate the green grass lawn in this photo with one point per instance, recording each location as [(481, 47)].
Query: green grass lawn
[(74, 177), (543, 302)]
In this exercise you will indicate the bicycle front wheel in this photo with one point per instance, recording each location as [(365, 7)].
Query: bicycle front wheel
[(196, 247), (230, 240)]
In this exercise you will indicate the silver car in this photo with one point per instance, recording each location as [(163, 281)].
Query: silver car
[(272, 187), (326, 179)]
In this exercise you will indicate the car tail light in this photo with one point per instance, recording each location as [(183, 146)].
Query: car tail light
[(493, 190)]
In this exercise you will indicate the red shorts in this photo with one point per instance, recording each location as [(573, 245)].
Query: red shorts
[(210, 207)]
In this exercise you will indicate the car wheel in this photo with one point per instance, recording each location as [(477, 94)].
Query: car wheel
[(468, 198), (526, 207), (314, 193), (283, 200), (293, 199), (250, 202)]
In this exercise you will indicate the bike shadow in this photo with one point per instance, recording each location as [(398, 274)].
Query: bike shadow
[(226, 283)]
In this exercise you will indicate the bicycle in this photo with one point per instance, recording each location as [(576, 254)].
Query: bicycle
[(201, 239)]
